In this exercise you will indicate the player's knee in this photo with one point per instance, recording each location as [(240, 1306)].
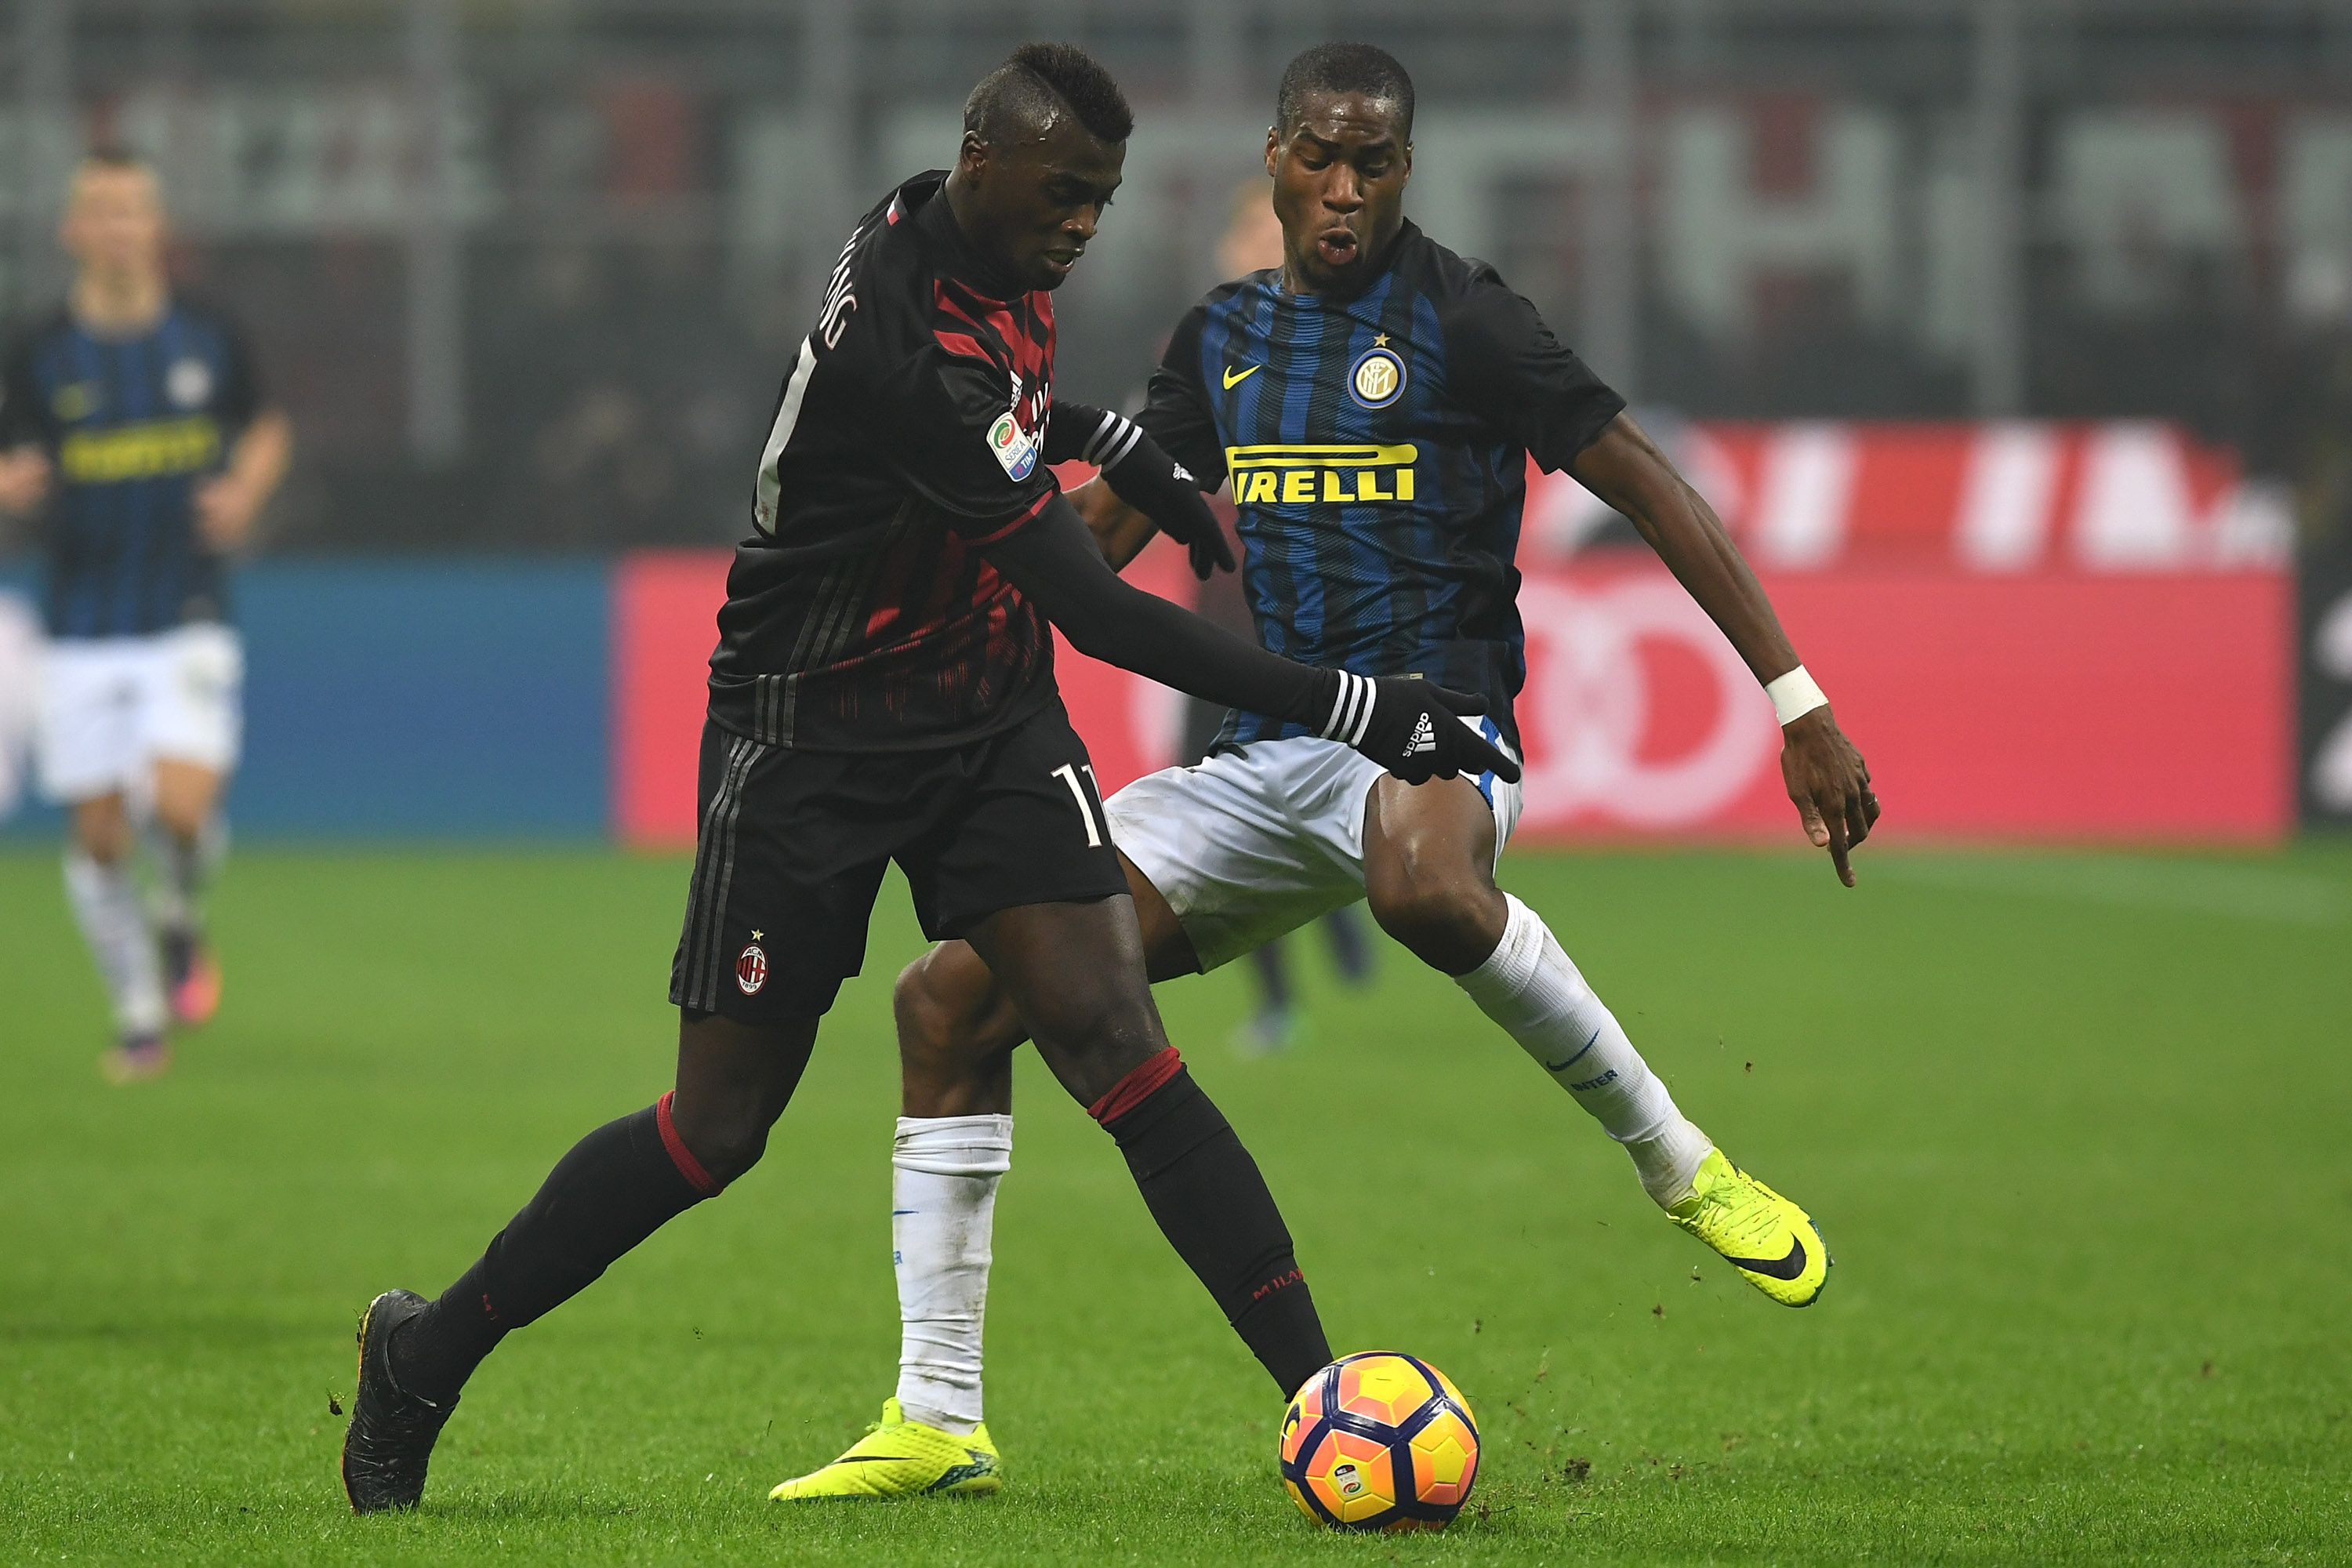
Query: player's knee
[(734, 1080), (1448, 917), (726, 1140), (106, 848), (955, 1024), (182, 819), (736, 1153), (923, 1003), (102, 829), (1092, 1029)]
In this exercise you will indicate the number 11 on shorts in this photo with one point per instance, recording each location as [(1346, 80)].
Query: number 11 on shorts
[(1068, 774)]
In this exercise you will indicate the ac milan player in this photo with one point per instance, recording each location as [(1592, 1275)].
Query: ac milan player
[(883, 689)]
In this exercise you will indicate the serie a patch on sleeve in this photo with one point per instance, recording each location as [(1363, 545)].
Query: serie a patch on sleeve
[(1015, 449)]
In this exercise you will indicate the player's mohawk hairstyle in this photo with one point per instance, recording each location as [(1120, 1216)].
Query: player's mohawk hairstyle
[(1343, 68), (1040, 82)]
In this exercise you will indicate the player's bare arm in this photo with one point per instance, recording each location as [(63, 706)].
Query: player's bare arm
[(228, 503), (1121, 529), (1826, 776), (25, 481)]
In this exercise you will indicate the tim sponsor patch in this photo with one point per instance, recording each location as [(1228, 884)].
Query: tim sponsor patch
[(1014, 449)]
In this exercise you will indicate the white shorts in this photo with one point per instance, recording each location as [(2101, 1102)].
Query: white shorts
[(111, 706), (1252, 844), (20, 696)]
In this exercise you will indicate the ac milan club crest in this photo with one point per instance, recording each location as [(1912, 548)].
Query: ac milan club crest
[(752, 969)]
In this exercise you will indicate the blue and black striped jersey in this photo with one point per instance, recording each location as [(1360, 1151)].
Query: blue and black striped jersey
[(129, 425), (1377, 448)]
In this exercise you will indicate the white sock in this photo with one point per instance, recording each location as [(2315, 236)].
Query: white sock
[(943, 1176), (113, 921), (1528, 985)]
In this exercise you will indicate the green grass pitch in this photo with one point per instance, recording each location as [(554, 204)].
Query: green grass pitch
[(2074, 1124)]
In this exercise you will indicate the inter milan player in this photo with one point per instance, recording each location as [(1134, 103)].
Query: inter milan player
[(1374, 401), (138, 415), (883, 689)]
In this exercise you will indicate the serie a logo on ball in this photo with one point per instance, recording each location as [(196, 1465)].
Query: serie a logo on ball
[(752, 969), (1379, 1441), (1377, 379)]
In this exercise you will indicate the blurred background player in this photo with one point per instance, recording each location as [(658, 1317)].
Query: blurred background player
[(137, 417), (1253, 243)]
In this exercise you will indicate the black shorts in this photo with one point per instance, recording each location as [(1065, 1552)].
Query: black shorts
[(793, 846)]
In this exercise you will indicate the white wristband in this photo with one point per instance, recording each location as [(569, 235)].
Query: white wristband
[(1794, 694), (1352, 711), (1113, 440)]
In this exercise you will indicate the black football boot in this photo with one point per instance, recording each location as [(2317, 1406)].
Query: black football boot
[(390, 1439)]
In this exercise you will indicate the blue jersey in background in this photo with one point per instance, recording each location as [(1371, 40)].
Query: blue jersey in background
[(130, 424)]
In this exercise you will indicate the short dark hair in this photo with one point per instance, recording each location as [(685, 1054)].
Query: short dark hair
[(1041, 81), (1342, 67)]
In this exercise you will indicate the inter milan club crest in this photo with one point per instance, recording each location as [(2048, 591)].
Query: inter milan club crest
[(752, 969), (1377, 376), (188, 383)]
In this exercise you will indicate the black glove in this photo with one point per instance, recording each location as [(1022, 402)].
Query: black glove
[(1151, 481), (1408, 725)]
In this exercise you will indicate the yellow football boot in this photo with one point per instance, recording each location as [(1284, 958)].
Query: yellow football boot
[(903, 1458), (1771, 1241)]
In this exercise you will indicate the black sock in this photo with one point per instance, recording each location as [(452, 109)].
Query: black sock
[(616, 1187), (1205, 1191)]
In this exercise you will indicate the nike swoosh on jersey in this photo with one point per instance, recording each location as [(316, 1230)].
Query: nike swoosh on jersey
[(1232, 381), (1787, 1268)]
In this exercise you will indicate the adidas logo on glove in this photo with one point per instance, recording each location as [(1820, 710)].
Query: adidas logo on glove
[(1396, 721)]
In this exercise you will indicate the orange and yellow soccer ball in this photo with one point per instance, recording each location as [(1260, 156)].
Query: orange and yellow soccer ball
[(1378, 1440)]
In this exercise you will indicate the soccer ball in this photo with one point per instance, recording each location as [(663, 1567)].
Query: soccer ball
[(1379, 1441)]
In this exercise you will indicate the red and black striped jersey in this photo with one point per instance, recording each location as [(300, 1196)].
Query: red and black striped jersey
[(861, 615)]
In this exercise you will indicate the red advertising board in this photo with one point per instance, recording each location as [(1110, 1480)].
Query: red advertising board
[(2062, 705), (665, 621)]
